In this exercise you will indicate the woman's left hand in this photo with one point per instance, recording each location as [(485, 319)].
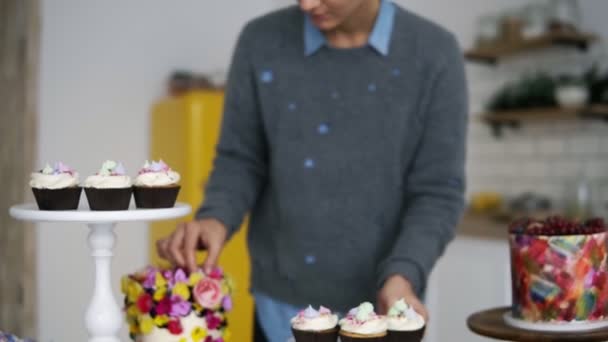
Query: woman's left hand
[(397, 287)]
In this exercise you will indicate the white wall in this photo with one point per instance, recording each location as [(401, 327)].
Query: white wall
[(104, 62)]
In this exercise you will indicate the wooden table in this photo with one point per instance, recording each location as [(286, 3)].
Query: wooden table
[(490, 323)]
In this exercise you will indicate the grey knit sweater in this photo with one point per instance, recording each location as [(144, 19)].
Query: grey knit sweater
[(350, 163)]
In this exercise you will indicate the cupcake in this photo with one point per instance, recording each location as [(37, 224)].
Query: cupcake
[(404, 324), (156, 186), (110, 188), (362, 324), (311, 325), (56, 188)]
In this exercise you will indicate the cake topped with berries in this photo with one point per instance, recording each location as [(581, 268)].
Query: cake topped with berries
[(558, 270), (556, 225)]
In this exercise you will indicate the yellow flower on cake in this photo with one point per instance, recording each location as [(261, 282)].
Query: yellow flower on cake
[(134, 290), (161, 320), (160, 294), (160, 280), (182, 290), (132, 311), (195, 278), (134, 328), (146, 324), (198, 334)]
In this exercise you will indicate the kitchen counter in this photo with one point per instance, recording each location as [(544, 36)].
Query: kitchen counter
[(482, 227)]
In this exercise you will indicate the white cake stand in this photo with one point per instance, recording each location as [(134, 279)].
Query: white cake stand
[(103, 318)]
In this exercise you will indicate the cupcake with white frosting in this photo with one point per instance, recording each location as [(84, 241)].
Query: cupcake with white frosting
[(56, 188), (156, 186), (311, 325), (110, 188), (404, 323), (362, 324)]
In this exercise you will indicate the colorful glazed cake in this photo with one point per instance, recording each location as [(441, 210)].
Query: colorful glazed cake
[(311, 325), (172, 306), (558, 270), (156, 186)]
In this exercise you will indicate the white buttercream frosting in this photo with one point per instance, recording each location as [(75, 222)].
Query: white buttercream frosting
[(364, 321), (156, 174), (189, 323), (157, 179), (112, 175), (402, 317), (313, 320), (107, 182), (58, 177)]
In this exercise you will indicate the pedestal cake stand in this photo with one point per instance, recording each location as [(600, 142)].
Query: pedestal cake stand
[(103, 317), (498, 324)]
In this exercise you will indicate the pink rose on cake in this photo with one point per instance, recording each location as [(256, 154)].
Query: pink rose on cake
[(208, 293)]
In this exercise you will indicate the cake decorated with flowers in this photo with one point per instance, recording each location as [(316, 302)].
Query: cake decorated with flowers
[(156, 185), (56, 187), (174, 306), (558, 270), (110, 188)]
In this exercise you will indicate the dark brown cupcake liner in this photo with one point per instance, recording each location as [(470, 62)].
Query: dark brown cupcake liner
[(315, 336), (57, 199), (345, 338), (155, 197), (108, 199), (405, 336)]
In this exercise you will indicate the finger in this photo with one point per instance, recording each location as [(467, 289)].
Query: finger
[(190, 244), (162, 248), (213, 252), (175, 247)]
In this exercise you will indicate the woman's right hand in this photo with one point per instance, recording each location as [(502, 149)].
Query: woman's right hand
[(180, 247)]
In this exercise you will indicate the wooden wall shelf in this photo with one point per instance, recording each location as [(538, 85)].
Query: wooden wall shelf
[(493, 53), (515, 118)]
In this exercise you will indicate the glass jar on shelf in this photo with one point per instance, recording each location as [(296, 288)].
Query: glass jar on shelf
[(536, 20), (565, 15)]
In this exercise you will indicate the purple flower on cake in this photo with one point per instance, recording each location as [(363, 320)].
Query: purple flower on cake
[(159, 166), (58, 168), (180, 277), (179, 307), (150, 281), (112, 168), (324, 311), (227, 303), (309, 312)]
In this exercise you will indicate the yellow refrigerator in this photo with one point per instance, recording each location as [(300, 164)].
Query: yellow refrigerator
[(184, 133)]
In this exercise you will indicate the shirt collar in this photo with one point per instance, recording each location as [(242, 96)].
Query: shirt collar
[(379, 38)]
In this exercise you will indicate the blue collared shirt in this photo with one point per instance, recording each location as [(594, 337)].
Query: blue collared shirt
[(379, 38)]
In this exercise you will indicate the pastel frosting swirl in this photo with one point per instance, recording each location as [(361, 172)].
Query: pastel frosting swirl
[(313, 320), (362, 320), (59, 176)]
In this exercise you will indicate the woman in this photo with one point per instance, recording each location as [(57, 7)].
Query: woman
[(344, 138)]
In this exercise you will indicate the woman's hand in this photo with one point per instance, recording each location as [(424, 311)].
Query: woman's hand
[(180, 247), (395, 288)]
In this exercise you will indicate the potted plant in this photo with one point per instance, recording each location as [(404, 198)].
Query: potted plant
[(571, 92)]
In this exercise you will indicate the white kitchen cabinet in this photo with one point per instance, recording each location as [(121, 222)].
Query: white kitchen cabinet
[(473, 274)]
